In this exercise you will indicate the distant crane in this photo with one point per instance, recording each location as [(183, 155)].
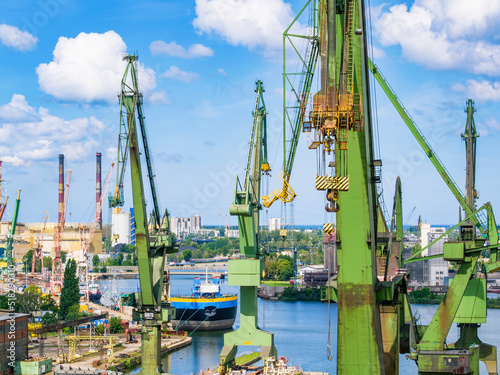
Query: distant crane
[(37, 251), (2, 205)]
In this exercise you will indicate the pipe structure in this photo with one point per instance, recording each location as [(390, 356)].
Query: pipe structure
[(98, 191)]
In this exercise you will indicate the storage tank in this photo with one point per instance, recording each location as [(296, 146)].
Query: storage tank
[(120, 222)]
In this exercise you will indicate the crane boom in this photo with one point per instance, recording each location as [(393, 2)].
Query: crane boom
[(426, 147), (245, 273), (294, 114), (151, 249)]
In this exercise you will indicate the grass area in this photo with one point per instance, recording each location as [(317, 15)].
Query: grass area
[(277, 283), (246, 357)]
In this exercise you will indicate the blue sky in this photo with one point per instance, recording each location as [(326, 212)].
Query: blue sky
[(61, 66)]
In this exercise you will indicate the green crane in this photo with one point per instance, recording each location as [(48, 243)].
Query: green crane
[(469, 136), (149, 308), (294, 113), (246, 272), (10, 240), (465, 301)]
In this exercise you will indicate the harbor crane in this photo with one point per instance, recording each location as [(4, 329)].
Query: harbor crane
[(37, 251), (10, 239), (3, 205), (152, 248), (375, 322), (246, 272)]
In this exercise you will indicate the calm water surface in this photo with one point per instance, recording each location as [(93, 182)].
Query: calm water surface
[(300, 332)]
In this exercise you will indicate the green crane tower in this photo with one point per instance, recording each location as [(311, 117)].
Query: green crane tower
[(10, 240), (246, 272), (149, 308), (465, 300)]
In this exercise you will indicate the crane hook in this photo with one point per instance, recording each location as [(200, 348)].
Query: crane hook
[(332, 196)]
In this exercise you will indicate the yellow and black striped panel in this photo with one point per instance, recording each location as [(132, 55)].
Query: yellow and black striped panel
[(324, 182), (341, 183), (328, 228), (330, 182), (283, 232)]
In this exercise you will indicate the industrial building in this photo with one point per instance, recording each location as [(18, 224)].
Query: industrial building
[(13, 340)]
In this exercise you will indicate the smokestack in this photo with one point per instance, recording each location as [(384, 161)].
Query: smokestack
[(61, 187), (98, 190), (0, 183)]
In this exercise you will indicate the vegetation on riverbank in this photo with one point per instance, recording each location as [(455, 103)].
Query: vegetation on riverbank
[(426, 297), (291, 293)]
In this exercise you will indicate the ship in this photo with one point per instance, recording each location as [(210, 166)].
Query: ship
[(206, 308), (94, 293)]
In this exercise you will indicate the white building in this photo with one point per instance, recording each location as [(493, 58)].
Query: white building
[(234, 233), (185, 225), (274, 223), (437, 268)]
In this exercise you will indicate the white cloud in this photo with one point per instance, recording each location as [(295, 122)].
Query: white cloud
[(48, 135), (221, 71), (175, 73), (158, 97), (255, 24), (90, 68), (17, 110), (159, 47), (444, 34), (483, 91), (13, 37)]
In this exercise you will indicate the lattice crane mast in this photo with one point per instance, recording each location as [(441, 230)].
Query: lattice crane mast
[(2, 205), (10, 240), (151, 248), (246, 273), (294, 113), (37, 251)]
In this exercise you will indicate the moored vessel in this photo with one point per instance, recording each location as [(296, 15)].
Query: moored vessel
[(206, 308)]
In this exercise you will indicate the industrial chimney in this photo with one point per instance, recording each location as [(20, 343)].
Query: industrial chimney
[(61, 187), (98, 190)]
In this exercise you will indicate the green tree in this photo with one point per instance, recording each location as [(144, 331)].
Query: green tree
[(95, 262), (63, 256), (115, 325), (47, 263), (27, 261), (30, 299), (107, 243), (304, 256), (49, 318), (74, 312), (187, 255), (70, 293), (48, 303), (128, 261)]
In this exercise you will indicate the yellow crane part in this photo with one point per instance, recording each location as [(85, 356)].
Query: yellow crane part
[(286, 194)]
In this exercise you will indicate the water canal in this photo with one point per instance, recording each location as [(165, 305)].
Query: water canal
[(300, 332)]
